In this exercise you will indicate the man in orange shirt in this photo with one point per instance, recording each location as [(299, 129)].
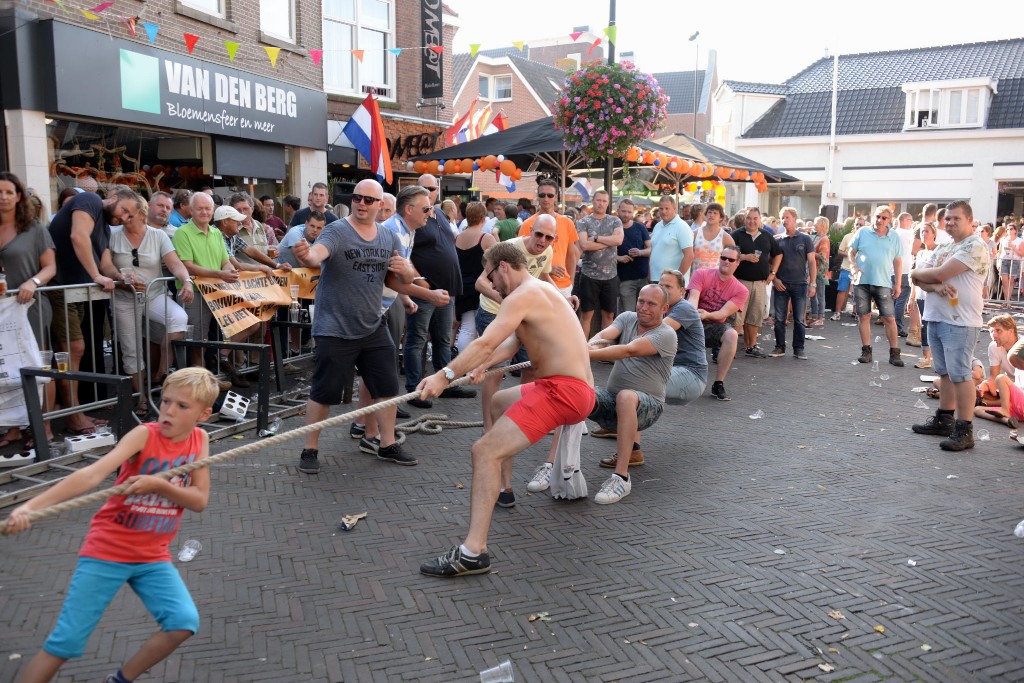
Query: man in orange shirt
[(566, 247)]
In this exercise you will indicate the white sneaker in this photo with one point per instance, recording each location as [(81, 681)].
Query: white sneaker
[(541, 479), (613, 490)]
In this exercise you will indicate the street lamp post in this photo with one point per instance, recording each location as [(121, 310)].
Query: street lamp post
[(696, 66)]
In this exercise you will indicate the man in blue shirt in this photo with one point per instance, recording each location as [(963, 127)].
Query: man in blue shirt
[(875, 255), (794, 281), (634, 256)]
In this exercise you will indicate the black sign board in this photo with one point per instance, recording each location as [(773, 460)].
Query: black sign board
[(124, 80), (432, 71)]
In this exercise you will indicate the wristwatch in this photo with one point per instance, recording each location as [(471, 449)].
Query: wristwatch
[(449, 374), (39, 283)]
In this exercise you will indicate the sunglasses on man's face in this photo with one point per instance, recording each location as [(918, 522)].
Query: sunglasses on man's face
[(545, 195), (542, 236), (727, 259), (363, 199)]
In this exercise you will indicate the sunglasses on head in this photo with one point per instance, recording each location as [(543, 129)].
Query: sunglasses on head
[(546, 195), (363, 199)]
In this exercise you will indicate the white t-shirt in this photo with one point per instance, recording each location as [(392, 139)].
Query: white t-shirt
[(907, 239), (972, 252), (488, 225), (997, 359), (923, 256)]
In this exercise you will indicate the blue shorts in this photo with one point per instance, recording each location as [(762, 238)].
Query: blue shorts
[(952, 349), (95, 583), (485, 318), (648, 410), (844, 281), (863, 295)]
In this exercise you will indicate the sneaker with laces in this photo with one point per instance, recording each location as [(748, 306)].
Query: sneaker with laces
[(799, 354), (308, 462), (939, 424), (507, 499), (777, 353), (541, 480), (393, 453), (718, 391), (613, 490), (960, 439), (369, 445), (357, 431), (836, 316), (454, 563), (755, 352)]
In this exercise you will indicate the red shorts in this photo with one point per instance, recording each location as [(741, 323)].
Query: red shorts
[(1016, 402), (551, 402)]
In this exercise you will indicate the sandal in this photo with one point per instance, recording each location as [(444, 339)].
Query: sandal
[(932, 392)]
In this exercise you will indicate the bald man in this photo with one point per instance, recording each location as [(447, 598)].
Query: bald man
[(356, 257)]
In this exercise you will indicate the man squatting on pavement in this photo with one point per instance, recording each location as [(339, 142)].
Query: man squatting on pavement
[(535, 315)]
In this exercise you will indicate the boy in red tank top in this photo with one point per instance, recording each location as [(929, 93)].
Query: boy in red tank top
[(128, 539)]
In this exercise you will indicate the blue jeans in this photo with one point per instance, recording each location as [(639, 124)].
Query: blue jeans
[(437, 322), (901, 303), (818, 302), (797, 293)]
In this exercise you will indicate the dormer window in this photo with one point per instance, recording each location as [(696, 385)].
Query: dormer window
[(959, 103)]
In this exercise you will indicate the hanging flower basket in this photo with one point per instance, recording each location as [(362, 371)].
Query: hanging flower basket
[(606, 108)]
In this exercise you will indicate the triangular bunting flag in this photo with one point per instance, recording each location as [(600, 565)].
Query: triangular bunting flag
[(518, 44), (595, 44), (190, 41), (437, 49), (231, 48), (151, 31), (611, 31), (575, 35), (272, 53), (396, 51), (316, 56), (473, 49), (358, 54), (102, 6), (130, 22), (60, 3), (89, 15)]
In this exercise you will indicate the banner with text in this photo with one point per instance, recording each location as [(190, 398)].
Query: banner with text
[(237, 306), (17, 350)]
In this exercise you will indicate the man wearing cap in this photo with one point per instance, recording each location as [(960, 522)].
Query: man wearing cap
[(228, 220)]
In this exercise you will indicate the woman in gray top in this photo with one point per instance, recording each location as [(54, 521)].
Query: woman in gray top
[(27, 260)]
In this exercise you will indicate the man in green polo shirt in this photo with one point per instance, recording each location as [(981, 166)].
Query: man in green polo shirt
[(200, 247)]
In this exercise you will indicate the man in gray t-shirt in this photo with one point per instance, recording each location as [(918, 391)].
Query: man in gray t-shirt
[(643, 348), (600, 235), (357, 257)]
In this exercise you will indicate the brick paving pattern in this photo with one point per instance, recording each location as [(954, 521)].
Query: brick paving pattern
[(738, 540)]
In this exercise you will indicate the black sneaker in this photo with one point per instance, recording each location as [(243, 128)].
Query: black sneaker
[(370, 446), (453, 563), (714, 354), (357, 431), (308, 462), (894, 357), (799, 354), (507, 499), (421, 403), (458, 392), (960, 439), (865, 354), (936, 425), (393, 453), (401, 414), (718, 391), (755, 352)]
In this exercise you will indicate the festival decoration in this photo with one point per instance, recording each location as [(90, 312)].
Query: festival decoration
[(272, 53), (190, 41), (316, 56), (607, 108), (232, 48)]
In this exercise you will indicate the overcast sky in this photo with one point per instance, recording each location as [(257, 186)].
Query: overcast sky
[(755, 41)]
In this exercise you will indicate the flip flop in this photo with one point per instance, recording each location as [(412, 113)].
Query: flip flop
[(80, 432), (4, 443)]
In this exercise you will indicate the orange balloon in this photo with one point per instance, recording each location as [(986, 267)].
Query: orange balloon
[(433, 167), (489, 162), (632, 154), (508, 167), (449, 166), (467, 165), (517, 175), (741, 174)]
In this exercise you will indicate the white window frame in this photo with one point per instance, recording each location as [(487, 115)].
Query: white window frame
[(940, 96), (271, 30), (197, 5), (385, 91), (492, 88)]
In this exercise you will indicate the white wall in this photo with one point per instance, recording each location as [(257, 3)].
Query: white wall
[(308, 166), (27, 151)]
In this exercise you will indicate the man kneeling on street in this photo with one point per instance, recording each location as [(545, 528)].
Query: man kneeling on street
[(643, 350)]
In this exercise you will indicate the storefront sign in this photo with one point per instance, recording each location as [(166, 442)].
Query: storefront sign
[(432, 71), (130, 81), (409, 146)]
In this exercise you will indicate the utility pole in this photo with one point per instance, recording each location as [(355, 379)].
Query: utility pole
[(696, 68), (608, 169)]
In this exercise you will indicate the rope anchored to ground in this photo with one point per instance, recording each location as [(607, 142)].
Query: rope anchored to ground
[(428, 424)]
